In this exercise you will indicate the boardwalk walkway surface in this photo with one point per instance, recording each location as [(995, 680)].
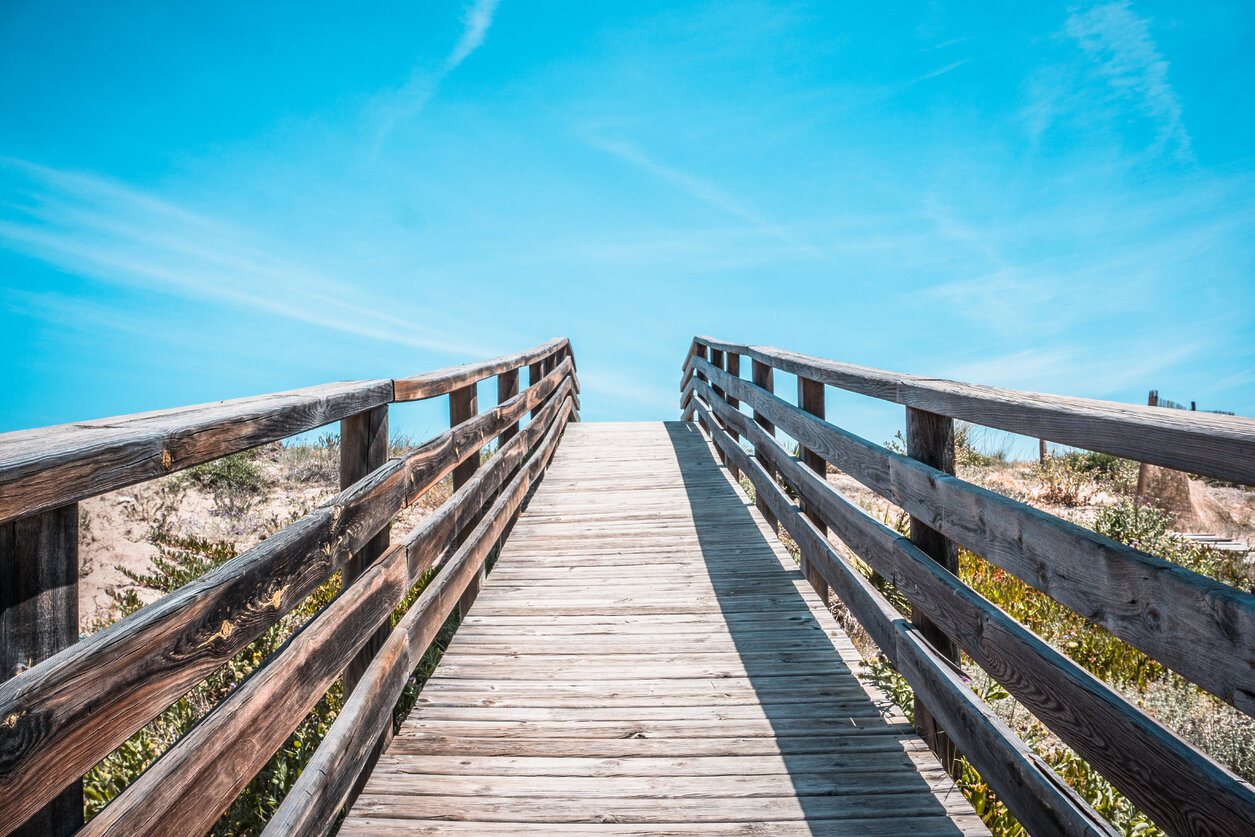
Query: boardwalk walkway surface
[(645, 658)]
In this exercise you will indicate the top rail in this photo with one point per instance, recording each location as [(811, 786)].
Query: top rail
[(48, 467), (1201, 443), (442, 381)]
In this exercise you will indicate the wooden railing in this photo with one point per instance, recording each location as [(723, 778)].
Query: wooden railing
[(66, 704), (1199, 628)]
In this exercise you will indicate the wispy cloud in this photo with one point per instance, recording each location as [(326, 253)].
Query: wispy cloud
[(713, 195), (404, 103), (942, 71), (1113, 35), (111, 232)]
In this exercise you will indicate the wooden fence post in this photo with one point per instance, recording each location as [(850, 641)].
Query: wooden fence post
[(716, 360), (1152, 400), (930, 439), (700, 351), (810, 397), (732, 365), (507, 388), (463, 406), (764, 376), (38, 618), (535, 372)]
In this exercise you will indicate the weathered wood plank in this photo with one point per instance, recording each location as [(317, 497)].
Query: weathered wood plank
[(1198, 627), (699, 640), (48, 467), (1199, 443), (71, 710), (1038, 798), (443, 381)]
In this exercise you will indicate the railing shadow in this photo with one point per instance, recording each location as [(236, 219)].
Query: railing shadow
[(844, 759)]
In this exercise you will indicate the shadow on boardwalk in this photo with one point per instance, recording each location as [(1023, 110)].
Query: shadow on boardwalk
[(848, 765)]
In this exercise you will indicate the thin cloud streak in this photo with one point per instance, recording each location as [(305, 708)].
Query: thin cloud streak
[(108, 231), (408, 101)]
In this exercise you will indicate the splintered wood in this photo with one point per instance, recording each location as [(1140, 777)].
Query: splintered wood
[(646, 659)]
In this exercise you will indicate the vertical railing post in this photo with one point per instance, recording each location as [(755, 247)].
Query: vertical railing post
[(732, 365), (463, 406), (38, 618), (810, 397), (716, 360), (535, 372), (764, 377), (507, 388), (363, 449), (699, 349), (930, 439)]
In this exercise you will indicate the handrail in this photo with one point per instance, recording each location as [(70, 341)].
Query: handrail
[(47, 467), (1209, 444), (62, 715), (1201, 628)]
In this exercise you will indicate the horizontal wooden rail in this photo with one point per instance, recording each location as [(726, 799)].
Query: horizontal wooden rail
[(323, 787), (186, 789), (47, 467), (1167, 778), (1042, 801), (443, 381), (64, 714), (1199, 443), (1194, 625), (50, 466)]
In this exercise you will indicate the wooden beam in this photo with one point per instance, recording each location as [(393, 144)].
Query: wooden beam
[(443, 381), (1198, 443), (38, 618), (930, 440), (764, 377), (810, 398), (1194, 625), (463, 405), (50, 467), (507, 388), (1102, 726)]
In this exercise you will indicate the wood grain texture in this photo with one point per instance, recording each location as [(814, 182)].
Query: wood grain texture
[(1200, 628), (1210, 444), (443, 381), (39, 617), (314, 802), (69, 711), (51, 466), (1033, 792), (568, 667), (1164, 776)]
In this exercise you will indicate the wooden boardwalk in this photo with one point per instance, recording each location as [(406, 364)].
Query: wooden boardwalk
[(646, 658)]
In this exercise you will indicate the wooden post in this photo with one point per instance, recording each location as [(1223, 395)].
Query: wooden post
[(363, 449), (507, 388), (464, 405), (810, 397), (1041, 451), (1152, 400), (732, 365), (930, 439), (764, 377), (700, 351), (38, 618), (535, 372), (716, 359)]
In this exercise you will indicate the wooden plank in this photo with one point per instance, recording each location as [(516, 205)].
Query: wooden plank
[(38, 618), (186, 789), (717, 655), (71, 710), (1037, 797), (314, 802), (1198, 443), (49, 467), (1202, 629), (443, 381), (930, 440)]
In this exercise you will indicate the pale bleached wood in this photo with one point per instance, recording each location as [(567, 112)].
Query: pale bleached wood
[(442, 381)]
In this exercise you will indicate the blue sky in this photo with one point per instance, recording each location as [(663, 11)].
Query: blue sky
[(205, 201)]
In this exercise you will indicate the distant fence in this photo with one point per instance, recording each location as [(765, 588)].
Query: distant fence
[(1200, 628), (66, 704)]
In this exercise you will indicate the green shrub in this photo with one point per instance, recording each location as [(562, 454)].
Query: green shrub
[(1113, 471), (1147, 528), (238, 472)]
